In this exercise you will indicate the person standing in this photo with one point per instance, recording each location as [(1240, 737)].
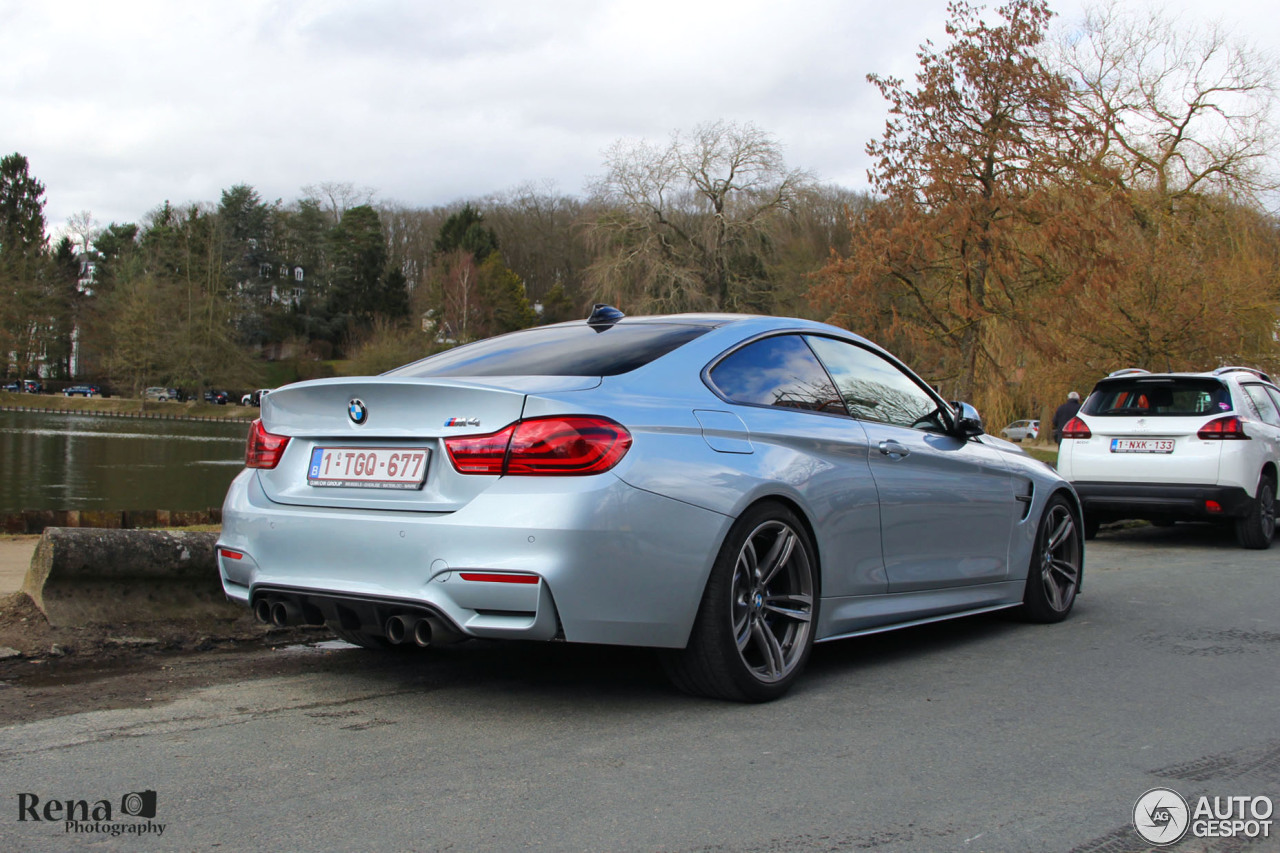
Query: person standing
[(1064, 414)]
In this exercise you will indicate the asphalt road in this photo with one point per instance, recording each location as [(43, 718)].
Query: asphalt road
[(978, 735)]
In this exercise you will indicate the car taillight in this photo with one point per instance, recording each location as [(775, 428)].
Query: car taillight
[(264, 449), (1228, 428), (1076, 428), (480, 454), (559, 446)]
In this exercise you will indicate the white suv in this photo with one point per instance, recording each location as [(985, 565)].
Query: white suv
[(1178, 447)]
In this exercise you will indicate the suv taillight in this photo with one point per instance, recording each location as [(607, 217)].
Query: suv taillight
[(560, 446), (1228, 428), (264, 449), (1076, 428)]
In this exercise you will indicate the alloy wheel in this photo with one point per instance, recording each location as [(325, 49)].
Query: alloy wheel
[(772, 601), (1267, 499), (1059, 557)]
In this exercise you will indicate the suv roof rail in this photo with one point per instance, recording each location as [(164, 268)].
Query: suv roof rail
[(1128, 371), (1255, 371)]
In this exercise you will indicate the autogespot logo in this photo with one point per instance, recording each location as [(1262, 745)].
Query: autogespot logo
[(357, 411), (1161, 816)]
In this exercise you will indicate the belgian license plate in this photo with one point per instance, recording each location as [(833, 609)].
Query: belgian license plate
[(1142, 445), (369, 467)]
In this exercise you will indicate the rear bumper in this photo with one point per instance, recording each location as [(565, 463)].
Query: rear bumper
[(614, 564), (1112, 501)]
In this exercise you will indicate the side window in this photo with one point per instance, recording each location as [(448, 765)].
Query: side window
[(778, 371), (1262, 402), (875, 389)]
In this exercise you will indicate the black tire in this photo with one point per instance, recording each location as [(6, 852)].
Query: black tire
[(1053, 578), (1257, 528), (754, 629)]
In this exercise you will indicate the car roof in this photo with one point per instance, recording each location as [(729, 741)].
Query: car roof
[(1218, 373)]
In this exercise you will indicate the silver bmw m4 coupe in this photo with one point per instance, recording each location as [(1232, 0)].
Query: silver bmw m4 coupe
[(728, 489)]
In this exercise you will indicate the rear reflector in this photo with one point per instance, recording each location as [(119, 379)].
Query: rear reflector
[(496, 577), (1212, 506), (264, 449), (1076, 428), (230, 555), (559, 446), (1228, 428)]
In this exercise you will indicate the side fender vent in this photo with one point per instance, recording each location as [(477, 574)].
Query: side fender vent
[(1027, 497)]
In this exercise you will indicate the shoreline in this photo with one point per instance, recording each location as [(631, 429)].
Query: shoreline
[(34, 521), (144, 415)]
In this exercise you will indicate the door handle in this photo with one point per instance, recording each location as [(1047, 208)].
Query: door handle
[(893, 449)]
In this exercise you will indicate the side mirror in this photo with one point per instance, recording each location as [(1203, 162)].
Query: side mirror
[(968, 422)]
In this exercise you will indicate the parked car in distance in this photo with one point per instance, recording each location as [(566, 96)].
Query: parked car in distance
[(15, 387), (217, 397), (82, 391), (1170, 447), (163, 395), (27, 386), (727, 489), (1028, 430), (254, 398)]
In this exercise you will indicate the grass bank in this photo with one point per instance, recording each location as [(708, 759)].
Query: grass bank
[(1045, 453)]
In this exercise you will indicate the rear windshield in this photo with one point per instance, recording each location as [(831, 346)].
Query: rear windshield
[(577, 350), (1158, 396)]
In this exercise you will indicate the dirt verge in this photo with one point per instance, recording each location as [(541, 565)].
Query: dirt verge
[(47, 671)]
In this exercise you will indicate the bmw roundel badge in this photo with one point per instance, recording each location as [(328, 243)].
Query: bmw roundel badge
[(357, 412)]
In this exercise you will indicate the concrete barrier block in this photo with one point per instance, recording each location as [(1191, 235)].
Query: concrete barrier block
[(188, 517), (139, 518), (100, 518), (36, 520), (88, 576)]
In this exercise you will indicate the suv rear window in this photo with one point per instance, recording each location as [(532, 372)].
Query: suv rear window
[(1160, 396), (577, 350)]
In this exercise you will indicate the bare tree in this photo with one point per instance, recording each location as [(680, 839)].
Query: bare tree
[(1180, 109), (337, 197), (83, 230), (685, 225), (536, 226)]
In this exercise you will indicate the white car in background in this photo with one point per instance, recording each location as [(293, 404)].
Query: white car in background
[(254, 398), (1171, 447), (1022, 431)]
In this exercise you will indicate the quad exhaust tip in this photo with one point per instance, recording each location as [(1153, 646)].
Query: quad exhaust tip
[(399, 629), (283, 613), (406, 628), (262, 611)]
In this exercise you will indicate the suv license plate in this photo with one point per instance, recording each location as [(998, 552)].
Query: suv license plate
[(369, 467), (1142, 445)]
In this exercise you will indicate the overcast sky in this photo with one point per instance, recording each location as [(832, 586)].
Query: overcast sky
[(122, 105)]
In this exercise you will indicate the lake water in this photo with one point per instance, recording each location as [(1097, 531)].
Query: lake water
[(83, 462)]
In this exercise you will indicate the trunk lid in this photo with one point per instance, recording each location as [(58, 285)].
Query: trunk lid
[(401, 416), (1108, 456)]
